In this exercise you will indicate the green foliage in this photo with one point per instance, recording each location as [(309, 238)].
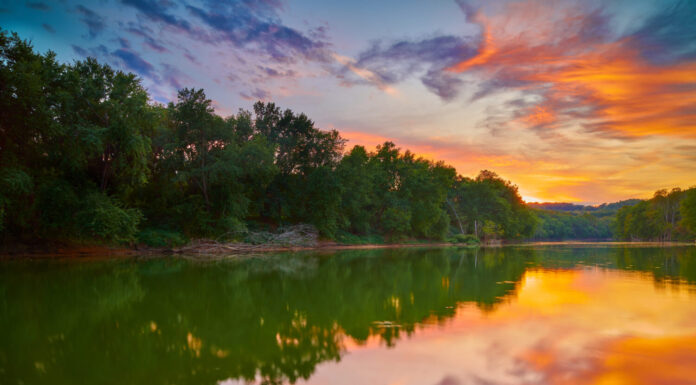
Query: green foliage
[(567, 221), (668, 216), (353, 239), (75, 143), (161, 238), (688, 210), (490, 207), (468, 239), (102, 218), (559, 226), (86, 156), (396, 222), (15, 186)]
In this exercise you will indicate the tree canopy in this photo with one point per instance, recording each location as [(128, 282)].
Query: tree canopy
[(87, 156)]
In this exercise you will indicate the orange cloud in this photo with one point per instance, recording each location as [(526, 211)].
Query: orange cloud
[(608, 85)]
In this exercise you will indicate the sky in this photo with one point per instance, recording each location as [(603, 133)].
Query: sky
[(574, 101)]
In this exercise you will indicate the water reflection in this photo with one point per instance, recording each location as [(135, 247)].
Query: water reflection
[(511, 315)]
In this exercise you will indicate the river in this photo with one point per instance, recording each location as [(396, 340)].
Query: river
[(434, 316)]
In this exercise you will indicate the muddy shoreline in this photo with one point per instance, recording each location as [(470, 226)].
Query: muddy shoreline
[(207, 248)]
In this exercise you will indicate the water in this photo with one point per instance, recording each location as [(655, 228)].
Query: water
[(527, 315)]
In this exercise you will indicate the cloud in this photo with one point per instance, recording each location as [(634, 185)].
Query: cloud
[(48, 28), (148, 40), (581, 74), (157, 11), (244, 24), (668, 36), (39, 6), (441, 83), (276, 73), (124, 43), (364, 74), (95, 23), (256, 94), (394, 62), (234, 30), (173, 77), (99, 51), (80, 51), (135, 63)]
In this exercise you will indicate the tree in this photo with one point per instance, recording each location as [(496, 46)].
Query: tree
[(688, 210), (491, 201)]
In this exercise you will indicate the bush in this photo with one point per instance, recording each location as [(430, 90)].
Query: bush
[(396, 222), (161, 238), (353, 239), (468, 239), (104, 218)]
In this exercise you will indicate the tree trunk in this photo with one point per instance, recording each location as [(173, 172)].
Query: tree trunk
[(461, 228)]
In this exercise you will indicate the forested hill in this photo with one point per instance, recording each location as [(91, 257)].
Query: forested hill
[(559, 206), (568, 221)]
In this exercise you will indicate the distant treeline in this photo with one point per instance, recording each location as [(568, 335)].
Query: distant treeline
[(568, 221), (561, 206), (85, 156), (668, 216)]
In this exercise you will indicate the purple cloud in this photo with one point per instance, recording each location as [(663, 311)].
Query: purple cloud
[(256, 94), (134, 62), (157, 11), (395, 62), (243, 25), (95, 23)]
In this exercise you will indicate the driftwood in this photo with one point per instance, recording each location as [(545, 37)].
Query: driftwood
[(287, 237)]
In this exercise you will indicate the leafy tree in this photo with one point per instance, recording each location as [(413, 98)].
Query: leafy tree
[(492, 207), (688, 210), (665, 217), (87, 156), (214, 173), (357, 203), (73, 131)]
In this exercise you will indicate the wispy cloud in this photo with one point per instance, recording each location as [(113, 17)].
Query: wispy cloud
[(95, 22), (134, 62), (364, 74), (394, 62), (48, 28), (582, 74), (256, 25)]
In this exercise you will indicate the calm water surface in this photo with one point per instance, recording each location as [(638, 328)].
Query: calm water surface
[(527, 315)]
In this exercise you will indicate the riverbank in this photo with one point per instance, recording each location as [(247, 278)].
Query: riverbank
[(197, 248), (203, 248)]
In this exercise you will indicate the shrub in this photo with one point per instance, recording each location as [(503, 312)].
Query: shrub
[(161, 238), (103, 218), (468, 239)]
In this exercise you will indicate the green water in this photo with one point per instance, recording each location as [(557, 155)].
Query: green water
[(368, 316)]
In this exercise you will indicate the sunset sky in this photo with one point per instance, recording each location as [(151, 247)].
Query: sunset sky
[(579, 101)]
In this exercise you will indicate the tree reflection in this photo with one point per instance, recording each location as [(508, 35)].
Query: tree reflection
[(270, 318)]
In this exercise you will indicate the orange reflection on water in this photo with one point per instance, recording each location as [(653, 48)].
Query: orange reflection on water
[(586, 326), (649, 361)]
